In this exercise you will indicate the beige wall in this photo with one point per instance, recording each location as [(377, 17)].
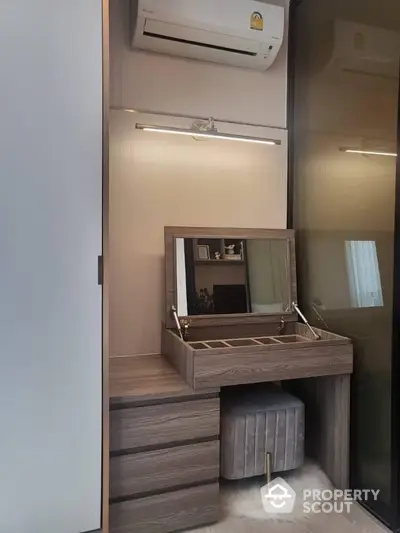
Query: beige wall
[(158, 180)]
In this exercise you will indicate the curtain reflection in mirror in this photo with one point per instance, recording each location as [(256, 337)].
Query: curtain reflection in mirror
[(268, 275)]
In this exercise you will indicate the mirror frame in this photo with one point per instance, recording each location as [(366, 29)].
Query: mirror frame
[(175, 232)]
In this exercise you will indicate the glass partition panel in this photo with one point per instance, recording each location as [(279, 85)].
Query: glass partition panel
[(345, 57)]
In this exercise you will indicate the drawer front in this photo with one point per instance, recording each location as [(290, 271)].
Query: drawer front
[(273, 365), (163, 424), (173, 511), (162, 469)]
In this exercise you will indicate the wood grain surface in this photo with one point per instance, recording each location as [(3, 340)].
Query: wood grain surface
[(146, 377), (179, 354), (254, 365), (162, 469), (164, 513), (151, 425), (327, 401), (302, 329)]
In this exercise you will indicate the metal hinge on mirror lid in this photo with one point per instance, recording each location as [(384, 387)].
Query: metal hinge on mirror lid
[(182, 324), (314, 334)]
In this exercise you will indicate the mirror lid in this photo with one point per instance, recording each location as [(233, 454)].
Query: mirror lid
[(171, 233)]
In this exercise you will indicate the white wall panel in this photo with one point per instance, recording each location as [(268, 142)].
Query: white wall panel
[(50, 237)]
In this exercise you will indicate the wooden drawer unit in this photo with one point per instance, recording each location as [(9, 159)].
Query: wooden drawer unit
[(164, 436), (164, 513), (158, 470), (163, 424)]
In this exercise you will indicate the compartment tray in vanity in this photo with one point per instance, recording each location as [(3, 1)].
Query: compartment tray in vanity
[(253, 359), (246, 341)]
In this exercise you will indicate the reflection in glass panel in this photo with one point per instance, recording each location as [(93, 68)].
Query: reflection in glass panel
[(364, 276), (346, 85), (232, 276)]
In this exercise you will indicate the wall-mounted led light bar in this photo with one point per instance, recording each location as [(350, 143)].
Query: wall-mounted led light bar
[(211, 133), (366, 152)]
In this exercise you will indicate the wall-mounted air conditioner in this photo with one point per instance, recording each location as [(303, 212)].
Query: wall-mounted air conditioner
[(359, 49), (244, 33)]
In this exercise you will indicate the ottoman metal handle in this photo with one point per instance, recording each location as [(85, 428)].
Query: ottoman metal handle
[(268, 466)]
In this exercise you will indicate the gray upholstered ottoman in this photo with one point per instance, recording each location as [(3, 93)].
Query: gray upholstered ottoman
[(256, 420)]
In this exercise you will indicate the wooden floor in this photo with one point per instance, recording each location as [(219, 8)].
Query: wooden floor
[(357, 521)]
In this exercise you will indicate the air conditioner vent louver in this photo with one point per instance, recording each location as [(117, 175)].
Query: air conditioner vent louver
[(193, 43)]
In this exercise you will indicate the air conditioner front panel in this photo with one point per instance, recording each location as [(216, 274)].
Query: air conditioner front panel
[(204, 34), (260, 61), (173, 32), (219, 16)]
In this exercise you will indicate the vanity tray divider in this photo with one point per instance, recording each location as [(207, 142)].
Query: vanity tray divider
[(232, 343)]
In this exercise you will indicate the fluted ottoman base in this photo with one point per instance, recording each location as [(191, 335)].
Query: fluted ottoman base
[(256, 420)]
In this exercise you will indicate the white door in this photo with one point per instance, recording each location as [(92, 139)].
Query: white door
[(50, 238)]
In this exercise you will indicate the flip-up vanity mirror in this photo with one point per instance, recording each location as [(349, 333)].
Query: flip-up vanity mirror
[(231, 310)]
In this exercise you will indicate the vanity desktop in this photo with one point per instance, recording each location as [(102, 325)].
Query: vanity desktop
[(165, 411)]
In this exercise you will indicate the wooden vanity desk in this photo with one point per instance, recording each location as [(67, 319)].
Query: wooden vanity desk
[(264, 343), (165, 409)]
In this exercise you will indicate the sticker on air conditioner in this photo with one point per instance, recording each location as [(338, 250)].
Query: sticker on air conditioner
[(256, 21)]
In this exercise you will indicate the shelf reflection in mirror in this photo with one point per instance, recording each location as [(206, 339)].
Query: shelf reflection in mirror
[(224, 276)]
